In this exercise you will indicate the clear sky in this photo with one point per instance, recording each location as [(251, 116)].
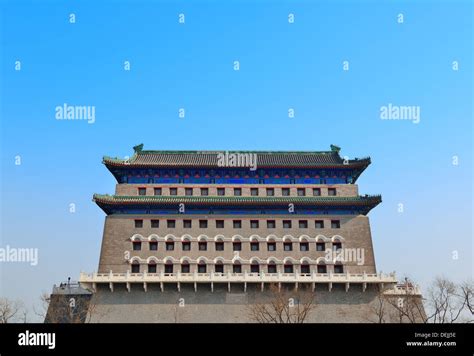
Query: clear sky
[(283, 66)]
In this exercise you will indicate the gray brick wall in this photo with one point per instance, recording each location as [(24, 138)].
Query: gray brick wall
[(204, 306), (119, 229)]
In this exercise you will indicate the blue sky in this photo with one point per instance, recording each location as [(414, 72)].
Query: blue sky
[(190, 66)]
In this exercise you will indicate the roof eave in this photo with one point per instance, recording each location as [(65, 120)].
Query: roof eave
[(363, 166), (124, 164), (139, 200)]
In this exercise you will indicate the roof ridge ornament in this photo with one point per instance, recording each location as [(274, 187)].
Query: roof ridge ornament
[(138, 148), (335, 148)]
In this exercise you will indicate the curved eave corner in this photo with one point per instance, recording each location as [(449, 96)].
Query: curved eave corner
[(376, 202), (113, 163), (364, 163)]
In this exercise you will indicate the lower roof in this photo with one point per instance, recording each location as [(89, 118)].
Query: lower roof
[(234, 200)]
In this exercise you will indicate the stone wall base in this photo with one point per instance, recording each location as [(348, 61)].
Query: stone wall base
[(222, 306)]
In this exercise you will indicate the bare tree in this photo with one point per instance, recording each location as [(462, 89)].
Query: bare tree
[(467, 293), (445, 302), (402, 304), (284, 306), (378, 310), (43, 308), (449, 302), (10, 310), (407, 306), (24, 316)]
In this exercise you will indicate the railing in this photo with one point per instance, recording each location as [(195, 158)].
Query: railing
[(69, 288), (236, 277), (403, 289)]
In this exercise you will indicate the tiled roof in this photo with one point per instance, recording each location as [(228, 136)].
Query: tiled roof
[(232, 200), (210, 159)]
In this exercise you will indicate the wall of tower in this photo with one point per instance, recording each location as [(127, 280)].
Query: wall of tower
[(354, 233), (343, 190), (222, 306)]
